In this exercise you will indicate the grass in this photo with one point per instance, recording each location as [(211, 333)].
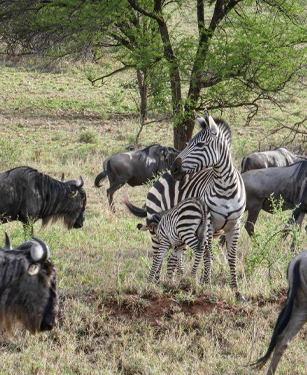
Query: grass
[(111, 321)]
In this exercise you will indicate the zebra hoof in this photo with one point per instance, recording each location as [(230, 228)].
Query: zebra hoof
[(240, 298)]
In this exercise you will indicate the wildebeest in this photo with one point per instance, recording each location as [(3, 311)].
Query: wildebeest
[(280, 157), (280, 182), (293, 315), (28, 287), (29, 195), (135, 167)]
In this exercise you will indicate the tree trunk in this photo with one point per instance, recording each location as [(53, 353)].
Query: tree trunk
[(183, 132)]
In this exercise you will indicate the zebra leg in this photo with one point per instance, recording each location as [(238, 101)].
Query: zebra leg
[(208, 259), (198, 247), (157, 261), (155, 245), (175, 261), (232, 238)]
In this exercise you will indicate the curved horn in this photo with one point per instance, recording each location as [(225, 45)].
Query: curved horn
[(24, 245), (80, 182), (39, 251), (8, 245)]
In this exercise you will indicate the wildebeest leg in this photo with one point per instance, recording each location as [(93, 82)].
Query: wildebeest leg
[(297, 320), (251, 221), (112, 189)]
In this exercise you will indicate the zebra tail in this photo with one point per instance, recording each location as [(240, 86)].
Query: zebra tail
[(102, 175), (283, 319), (136, 211)]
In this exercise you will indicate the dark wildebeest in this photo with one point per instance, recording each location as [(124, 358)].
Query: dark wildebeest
[(135, 167), (29, 195), (280, 157), (28, 287), (278, 182), (293, 315)]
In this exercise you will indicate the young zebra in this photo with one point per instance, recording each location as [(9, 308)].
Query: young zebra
[(204, 169), (188, 224)]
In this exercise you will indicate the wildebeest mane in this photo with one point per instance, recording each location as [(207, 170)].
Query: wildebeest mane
[(58, 209)]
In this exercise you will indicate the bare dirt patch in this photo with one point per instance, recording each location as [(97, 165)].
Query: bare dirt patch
[(153, 309)]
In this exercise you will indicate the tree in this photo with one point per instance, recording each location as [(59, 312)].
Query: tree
[(232, 53)]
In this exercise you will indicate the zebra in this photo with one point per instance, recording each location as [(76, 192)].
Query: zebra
[(216, 181), (188, 223)]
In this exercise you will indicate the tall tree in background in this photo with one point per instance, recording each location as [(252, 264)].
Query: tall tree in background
[(231, 53)]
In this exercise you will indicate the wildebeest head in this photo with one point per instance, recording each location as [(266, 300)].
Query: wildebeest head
[(28, 288), (73, 205)]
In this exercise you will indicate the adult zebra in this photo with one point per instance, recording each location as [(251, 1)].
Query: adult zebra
[(221, 186)]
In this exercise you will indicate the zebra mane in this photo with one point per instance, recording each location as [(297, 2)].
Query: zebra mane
[(224, 127)]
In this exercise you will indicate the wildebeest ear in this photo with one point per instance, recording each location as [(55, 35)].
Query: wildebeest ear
[(33, 269), (72, 194)]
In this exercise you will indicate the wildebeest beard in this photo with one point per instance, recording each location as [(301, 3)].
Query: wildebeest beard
[(69, 210), (29, 300)]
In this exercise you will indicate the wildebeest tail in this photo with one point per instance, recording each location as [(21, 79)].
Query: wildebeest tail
[(284, 317), (102, 175), (136, 211)]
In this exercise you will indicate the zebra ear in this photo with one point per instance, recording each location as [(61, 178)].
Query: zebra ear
[(212, 126)]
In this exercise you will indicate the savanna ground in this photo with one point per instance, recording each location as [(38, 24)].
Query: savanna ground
[(111, 321)]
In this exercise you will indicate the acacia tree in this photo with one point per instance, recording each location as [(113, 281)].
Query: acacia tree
[(231, 53)]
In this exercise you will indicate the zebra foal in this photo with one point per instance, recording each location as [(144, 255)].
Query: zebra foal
[(187, 224)]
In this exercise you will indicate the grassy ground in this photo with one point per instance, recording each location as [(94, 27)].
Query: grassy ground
[(111, 321)]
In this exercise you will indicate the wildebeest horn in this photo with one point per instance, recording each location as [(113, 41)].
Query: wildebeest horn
[(39, 251), (8, 245), (62, 178), (80, 182)]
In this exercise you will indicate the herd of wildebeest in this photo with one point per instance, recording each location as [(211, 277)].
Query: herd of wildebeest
[(28, 290)]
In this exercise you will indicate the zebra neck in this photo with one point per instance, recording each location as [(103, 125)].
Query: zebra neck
[(225, 173)]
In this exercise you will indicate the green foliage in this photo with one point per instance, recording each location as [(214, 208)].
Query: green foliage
[(268, 247), (241, 56)]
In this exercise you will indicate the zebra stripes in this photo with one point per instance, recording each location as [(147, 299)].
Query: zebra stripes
[(225, 191), (188, 224), (216, 181)]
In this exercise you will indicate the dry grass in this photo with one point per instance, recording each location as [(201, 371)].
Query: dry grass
[(111, 321)]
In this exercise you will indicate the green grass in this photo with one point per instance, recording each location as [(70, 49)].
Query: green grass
[(111, 321)]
